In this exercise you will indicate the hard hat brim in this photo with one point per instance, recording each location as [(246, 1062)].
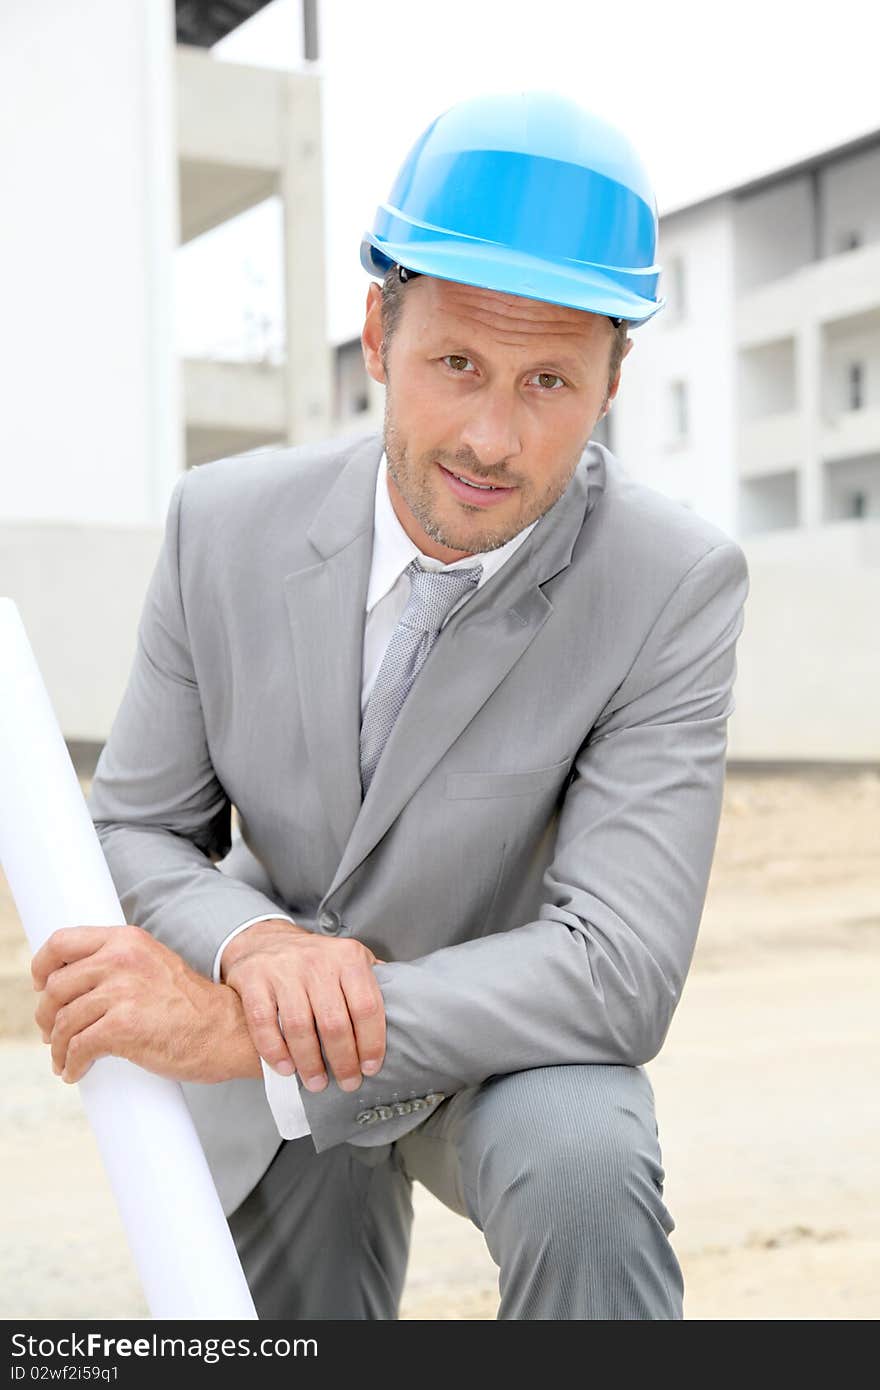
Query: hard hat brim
[(487, 265)]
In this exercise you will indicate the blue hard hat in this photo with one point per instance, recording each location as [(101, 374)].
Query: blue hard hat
[(527, 194)]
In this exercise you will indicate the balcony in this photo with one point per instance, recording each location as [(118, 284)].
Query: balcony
[(852, 433), (233, 135), (771, 445), (245, 134), (231, 406), (837, 287), (770, 503)]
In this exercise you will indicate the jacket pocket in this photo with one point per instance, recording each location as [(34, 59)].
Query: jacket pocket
[(470, 785)]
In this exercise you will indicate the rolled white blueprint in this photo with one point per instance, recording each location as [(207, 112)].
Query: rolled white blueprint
[(182, 1246)]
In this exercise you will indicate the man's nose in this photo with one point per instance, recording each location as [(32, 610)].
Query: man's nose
[(491, 429)]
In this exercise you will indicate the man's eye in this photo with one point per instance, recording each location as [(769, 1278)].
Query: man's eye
[(547, 379), (457, 363)]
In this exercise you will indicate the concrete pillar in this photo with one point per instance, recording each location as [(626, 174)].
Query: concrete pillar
[(308, 369), (89, 429)]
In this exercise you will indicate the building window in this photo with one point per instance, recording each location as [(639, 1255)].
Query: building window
[(679, 423), (855, 386), (673, 287), (851, 490), (858, 504)]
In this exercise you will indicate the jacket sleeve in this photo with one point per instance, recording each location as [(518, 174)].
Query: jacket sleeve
[(597, 976), (160, 813)]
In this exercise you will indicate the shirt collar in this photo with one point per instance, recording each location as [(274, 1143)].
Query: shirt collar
[(393, 549)]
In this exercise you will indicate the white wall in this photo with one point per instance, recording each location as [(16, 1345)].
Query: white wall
[(89, 429), (696, 348), (79, 590), (90, 434), (808, 659)]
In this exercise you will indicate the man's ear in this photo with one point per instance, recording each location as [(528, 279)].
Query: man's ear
[(612, 390), (372, 337)]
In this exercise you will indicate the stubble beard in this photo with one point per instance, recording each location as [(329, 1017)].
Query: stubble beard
[(414, 480)]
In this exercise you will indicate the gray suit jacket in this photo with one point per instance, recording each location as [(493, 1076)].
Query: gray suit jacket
[(533, 854)]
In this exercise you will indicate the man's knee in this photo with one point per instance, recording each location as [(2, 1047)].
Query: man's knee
[(570, 1153), (560, 1168)]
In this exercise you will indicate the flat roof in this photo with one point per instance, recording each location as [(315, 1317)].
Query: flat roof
[(789, 171)]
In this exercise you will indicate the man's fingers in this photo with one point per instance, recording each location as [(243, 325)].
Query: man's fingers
[(71, 1020), (84, 1049), (63, 985), (298, 1021), (336, 1031), (332, 1014), (261, 1015), (65, 945), (366, 1008)]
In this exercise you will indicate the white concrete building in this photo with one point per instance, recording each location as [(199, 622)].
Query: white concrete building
[(116, 159), (754, 398)]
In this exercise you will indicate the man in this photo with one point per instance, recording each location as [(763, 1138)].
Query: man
[(468, 693)]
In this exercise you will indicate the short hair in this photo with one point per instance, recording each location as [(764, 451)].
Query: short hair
[(394, 288)]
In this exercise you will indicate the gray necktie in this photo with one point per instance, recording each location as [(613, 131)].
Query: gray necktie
[(433, 594)]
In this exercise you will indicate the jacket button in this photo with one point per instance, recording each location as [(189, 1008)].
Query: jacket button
[(330, 922)]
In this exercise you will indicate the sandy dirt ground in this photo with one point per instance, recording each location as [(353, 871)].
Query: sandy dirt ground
[(767, 1096)]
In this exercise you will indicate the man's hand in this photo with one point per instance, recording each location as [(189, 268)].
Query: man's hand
[(324, 989), (117, 991)]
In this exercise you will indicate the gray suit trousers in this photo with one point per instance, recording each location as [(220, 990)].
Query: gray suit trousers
[(559, 1167)]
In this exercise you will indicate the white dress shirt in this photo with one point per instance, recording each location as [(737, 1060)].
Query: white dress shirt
[(387, 594)]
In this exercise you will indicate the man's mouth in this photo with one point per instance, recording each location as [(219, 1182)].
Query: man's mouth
[(477, 486)]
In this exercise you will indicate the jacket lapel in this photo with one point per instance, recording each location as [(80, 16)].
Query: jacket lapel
[(474, 652), (325, 604)]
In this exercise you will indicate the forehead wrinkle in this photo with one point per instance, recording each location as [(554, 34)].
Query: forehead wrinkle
[(503, 312), (528, 327), (546, 336)]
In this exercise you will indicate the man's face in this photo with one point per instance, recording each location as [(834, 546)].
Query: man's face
[(502, 390)]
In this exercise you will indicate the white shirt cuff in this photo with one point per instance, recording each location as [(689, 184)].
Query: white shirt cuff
[(266, 917), (285, 1102), (282, 1092)]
